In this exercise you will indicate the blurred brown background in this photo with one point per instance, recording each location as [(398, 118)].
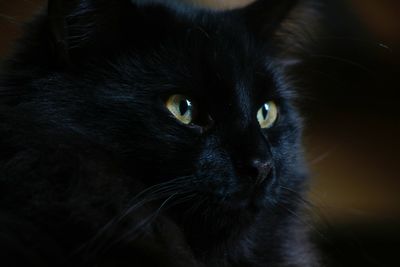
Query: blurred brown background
[(353, 124)]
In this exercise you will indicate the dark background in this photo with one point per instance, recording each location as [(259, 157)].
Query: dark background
[(352, 136)]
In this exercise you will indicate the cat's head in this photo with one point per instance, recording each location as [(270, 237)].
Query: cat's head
[(170, 92)]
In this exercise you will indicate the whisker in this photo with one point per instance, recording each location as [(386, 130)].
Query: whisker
[(359, 41), (167, 190), (10, 19), (351, 240), (195, 206), (345, 60), (311, 207), (305, 222), (140, 228)]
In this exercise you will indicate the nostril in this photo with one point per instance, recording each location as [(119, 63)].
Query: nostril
[(263, 168), (256, 169), (252, 171)]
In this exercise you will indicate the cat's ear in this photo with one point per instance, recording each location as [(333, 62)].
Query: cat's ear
[(265, 17), (73, 24), (287, 25), (58, 30)]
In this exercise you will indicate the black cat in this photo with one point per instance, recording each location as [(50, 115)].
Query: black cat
[(138, 133)]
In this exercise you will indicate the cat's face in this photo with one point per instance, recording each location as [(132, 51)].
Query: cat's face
[(174, 94), (214, 110)]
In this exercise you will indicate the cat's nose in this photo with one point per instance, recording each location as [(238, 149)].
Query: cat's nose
[(257, 170), (262, 169)]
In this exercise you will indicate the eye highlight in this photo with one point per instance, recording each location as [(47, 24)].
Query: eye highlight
[(267, 114), (181, 107)]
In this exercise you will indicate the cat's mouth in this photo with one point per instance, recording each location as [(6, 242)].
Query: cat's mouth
[(250, 196), (245, 194)]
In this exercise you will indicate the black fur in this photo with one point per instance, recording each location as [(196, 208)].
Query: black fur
[(96, 172)]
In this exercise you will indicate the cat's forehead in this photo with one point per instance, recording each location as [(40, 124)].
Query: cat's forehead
[(222, 60), (212, 58)]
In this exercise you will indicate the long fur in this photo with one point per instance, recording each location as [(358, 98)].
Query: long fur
[(94, 170)]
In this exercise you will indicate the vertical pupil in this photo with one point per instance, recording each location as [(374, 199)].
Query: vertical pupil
[(184, 106), (265, 111)]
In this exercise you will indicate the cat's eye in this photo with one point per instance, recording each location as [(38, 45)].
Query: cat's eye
[(181, 107), (267, 114)]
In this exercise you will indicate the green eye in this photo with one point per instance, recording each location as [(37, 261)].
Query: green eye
[(181, 107), (267, 114)]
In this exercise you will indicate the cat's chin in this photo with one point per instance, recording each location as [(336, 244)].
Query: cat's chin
[(248, 196), (252, 199), (213, 219)]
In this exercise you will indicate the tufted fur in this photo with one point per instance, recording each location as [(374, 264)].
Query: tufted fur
[(96, 172)]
